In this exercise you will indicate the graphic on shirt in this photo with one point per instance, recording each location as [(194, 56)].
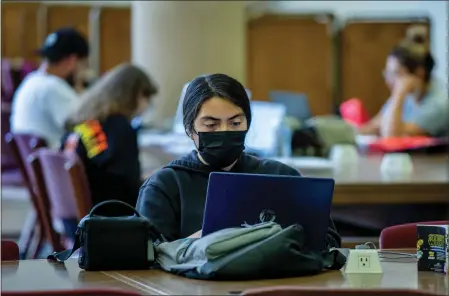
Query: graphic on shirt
[(93, 137)]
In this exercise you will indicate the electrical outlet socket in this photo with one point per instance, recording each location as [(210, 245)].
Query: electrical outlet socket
[(363, 261)]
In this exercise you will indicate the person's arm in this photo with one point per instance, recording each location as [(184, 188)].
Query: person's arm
[(333, 239), (372, 127), (160, 207), (392, 123)]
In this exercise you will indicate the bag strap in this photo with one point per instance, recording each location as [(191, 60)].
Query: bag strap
[(334, 260), (64, 255), (113, 201)]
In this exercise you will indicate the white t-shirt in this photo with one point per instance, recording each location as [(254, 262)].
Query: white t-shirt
[(41, 105)]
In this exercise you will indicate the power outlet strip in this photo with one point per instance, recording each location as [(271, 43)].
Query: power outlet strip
[(363, 261)]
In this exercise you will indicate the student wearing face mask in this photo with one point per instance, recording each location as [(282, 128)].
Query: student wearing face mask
[(418, 105), (216, 116)]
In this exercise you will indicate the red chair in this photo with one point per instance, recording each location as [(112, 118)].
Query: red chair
[(10, 251), (78, 292), (298, 291), (21, 146), (62, 191), (402, 236)]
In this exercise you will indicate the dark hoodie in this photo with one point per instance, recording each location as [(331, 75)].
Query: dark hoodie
[(174, 197)]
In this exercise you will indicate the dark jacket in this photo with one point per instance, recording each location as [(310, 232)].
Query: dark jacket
[(173, 198), (110, 154)]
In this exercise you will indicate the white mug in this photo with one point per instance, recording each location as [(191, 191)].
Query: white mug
[(344, 154), (396, 164)]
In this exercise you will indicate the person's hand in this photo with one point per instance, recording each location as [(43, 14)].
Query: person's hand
[(405, 85), (196, 234)]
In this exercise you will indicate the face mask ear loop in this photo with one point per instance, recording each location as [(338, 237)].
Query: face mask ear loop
[(195, 132)]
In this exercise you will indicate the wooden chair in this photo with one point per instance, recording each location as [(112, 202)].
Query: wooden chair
[(61, 189), (21, 146), (77, 292), (402, 236), (298, 291), (10, 251)]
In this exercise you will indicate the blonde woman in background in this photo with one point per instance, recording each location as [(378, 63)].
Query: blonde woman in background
[(418, 105), (100, 131)]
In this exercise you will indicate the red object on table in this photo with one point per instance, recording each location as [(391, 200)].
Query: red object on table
[(404, 143), (353, 112)]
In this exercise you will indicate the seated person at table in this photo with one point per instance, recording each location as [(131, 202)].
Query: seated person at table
[(216, 116), (44, 99), (418, 105), (101, 133)]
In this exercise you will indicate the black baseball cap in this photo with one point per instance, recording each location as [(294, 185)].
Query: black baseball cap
[(63, 43)]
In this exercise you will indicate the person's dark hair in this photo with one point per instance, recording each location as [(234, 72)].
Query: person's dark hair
[(206, 87), (413, 52), (117, 92)]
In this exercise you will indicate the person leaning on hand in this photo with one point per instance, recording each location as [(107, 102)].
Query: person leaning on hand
[(418, 105)]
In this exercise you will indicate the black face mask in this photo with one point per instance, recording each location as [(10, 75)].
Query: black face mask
[(221, 149)]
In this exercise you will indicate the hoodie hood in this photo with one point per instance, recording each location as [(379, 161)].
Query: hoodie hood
[(192, 163)]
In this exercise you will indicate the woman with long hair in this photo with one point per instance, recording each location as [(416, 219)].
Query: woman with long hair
[(101, 133)]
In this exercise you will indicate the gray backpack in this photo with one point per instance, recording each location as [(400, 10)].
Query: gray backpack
[(249, 252)]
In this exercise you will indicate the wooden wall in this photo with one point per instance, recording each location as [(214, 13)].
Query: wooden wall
[(330, 64), (26, 24), (365, 45), (300, 53), (292, 53)]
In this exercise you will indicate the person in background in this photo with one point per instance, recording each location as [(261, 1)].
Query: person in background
[(216, 116), (44, 99), (418, 105), (100, 132)]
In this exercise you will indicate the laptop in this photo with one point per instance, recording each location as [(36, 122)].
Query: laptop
[(235, 199), (296, 104)]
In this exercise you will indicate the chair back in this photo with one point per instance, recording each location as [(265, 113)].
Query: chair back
[(10, 251), (299, 291), (65, 183), (21, 146), (402, 236), (7, 84), (61, 189), (8, 160)]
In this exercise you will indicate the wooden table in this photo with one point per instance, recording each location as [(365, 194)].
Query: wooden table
[(43, 275), (362, 184)]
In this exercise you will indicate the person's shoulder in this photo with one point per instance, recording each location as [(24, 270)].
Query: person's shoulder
[(171, 174), (277, 167), (57, 88), (162, 178), (269, 166), (437, 92)]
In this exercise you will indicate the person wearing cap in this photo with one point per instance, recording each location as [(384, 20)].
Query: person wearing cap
[(44, 99)]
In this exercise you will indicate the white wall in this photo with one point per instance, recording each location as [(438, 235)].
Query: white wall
[(437, 11), (175, 41)]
